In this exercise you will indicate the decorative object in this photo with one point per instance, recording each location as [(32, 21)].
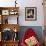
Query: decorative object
[(7, 34), (30, 13), (5, 12), (15, 3), (13, 12)]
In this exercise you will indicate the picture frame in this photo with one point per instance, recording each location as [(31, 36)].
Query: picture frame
[(5, 12), (30, 13)]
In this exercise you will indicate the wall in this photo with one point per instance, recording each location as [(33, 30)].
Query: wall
[(31, 3), (26, 3)]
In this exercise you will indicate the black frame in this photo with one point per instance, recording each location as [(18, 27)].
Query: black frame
[(33, 9)]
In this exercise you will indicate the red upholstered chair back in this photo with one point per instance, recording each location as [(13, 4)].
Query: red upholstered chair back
[(29, 33)]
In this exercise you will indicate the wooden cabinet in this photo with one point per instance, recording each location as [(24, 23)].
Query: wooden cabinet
[(7, 27), (6, 12)]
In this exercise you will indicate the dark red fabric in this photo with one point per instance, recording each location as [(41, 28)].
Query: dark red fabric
[(29, 33)]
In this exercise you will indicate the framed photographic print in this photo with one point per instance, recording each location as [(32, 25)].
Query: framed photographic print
[(30, 13), (5, 12)]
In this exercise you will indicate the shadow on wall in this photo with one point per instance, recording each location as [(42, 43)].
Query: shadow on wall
[(37, 29)]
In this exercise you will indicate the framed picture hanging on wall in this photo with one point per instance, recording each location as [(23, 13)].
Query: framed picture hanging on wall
[(30, 13)]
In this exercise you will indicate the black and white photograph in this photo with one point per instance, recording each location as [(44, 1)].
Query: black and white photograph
[(30, 13)]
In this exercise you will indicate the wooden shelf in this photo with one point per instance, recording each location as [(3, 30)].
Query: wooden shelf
[(4, 13), (9, 9), (10, 43), (11, 26)]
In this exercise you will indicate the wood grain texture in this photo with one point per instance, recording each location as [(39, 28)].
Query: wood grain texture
[(11, 26)]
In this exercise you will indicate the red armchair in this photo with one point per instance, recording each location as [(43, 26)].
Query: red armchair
[(29, 36)]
